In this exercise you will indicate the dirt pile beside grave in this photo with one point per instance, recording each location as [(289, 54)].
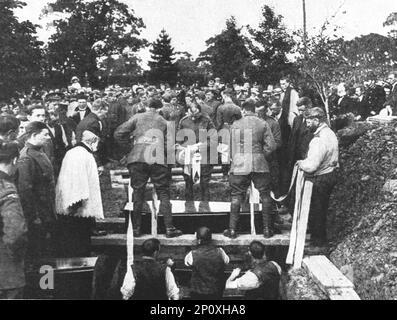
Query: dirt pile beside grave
[(364, 204), (297, 285)]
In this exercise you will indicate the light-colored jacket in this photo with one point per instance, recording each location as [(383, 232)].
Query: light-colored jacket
[(323, 154)]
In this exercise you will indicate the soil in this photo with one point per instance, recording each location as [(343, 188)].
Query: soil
[(297, 285), (364, 226)]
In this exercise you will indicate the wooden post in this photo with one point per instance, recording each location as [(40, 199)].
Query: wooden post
[(304, 27)]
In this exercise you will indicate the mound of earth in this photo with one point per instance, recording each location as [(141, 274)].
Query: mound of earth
[(364, 206)]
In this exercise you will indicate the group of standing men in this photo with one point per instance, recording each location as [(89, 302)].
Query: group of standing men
[(291, 132), (50, 196)]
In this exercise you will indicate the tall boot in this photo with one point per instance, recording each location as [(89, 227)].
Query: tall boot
[(268, 219), (136, 223), (205, 196), (189, 195), (268, 225), (235, 207), (139, 196)]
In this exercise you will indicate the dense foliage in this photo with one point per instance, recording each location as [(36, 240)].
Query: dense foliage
[(20, 51), (88, 33)]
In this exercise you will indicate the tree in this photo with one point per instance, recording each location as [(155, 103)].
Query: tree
[(123, 70), (228, 53), (190, 71), (391, 21), (20, 51), (323, 61), (162, 66), (88, 32), (271, 44), (370, 53)]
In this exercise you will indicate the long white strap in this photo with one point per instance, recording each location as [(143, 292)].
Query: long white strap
[(126, 289), (294, 175), (303, 194)]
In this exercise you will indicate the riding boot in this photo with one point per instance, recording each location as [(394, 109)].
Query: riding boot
[(268, 217), (235, 207), (268, 225), (189, 195)]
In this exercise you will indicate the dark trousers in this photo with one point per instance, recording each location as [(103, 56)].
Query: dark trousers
[(160, 176), (275, 175), (322, 189), (205, 177), (239, 185)]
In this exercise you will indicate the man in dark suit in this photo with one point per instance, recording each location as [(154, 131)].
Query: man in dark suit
[(374, 95), (345, 105), (362, 103), (94, 122), (60, 142), (300, 136), (392, 99), (82, 109)]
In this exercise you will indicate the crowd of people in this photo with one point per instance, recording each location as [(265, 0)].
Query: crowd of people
[(55, 144)]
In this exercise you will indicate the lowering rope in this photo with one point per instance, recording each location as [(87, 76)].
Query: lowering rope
[(126, 289), (303, 194)]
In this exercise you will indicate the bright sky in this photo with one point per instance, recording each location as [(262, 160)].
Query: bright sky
[(191, 22)]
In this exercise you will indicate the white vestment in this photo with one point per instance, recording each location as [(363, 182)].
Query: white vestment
[(79, 181)]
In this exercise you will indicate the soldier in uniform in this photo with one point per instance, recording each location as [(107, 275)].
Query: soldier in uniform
[(171, 111), (250, 165), (36, 187), (210, 100), (196, 121), (226, 114), (147, 160), (12, 227), (226, 111)]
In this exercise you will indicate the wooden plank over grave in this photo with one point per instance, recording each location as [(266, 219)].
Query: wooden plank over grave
[(329, 278), (200, 207), (190, 240)]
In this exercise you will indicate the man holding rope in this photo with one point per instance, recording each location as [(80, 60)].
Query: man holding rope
[(320, 168)]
